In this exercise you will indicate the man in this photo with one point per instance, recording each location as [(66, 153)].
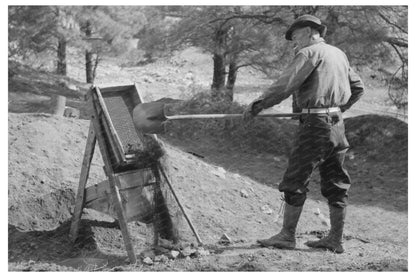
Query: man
[(323, 86)]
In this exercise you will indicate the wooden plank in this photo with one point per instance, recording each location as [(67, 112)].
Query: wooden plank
[(85, 169), (115, 148), (115, 88), (113, 132), (121, 217), (128, 180), (96, 191), (135, 202), (114, 192), (156, 200), (135, 178), (137, 97), (112, 145)]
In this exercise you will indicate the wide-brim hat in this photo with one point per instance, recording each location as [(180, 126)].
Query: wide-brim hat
[(306, 21)]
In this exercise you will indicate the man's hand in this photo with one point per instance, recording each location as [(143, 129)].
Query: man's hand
[(252, 110)]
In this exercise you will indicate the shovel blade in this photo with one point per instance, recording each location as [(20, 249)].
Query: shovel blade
[(149, 117)]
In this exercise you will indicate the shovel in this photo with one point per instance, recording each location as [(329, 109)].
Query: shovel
[(150, 117)]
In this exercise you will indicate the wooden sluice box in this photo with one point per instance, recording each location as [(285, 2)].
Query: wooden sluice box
[(128, 193)]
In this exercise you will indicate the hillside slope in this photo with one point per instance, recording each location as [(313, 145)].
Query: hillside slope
[(45, 154)]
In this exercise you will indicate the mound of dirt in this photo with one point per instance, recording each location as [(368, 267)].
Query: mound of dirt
[(45, 155), (378, 136)]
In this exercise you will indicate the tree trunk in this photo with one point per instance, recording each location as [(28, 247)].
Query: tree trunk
[(218, 79), (94, 69), (88, 55), (232, 77), (60, 101), (89, 67), (61, 66)]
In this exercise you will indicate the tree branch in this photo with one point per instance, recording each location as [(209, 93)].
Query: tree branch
[(260, 17), (397, 42), (387, 20)]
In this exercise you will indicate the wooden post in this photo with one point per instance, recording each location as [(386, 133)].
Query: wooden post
[(113, 182), (59, 105), (85, 170)]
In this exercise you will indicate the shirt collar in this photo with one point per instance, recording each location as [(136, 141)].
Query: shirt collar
[(319, 40)]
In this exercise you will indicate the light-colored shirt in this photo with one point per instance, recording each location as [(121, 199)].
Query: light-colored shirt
[(320, 76)]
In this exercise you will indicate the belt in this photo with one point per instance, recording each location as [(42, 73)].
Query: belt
[(322, 110)]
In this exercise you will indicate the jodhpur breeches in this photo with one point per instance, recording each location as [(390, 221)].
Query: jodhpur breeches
[(320, 142)]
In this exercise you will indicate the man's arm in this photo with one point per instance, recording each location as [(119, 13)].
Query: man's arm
[(290, 80), (357, 89)]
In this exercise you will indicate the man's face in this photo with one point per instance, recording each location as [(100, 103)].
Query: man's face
[(301, 37)]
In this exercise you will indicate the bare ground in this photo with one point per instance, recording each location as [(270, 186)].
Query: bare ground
[(45, 155)]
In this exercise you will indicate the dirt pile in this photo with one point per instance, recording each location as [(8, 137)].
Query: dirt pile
[(260, 135), (45, 155), (379, 137)]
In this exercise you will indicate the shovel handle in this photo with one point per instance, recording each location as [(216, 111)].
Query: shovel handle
[(204, 116)]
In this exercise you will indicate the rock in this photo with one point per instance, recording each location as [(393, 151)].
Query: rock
[(277, 159), (266, 209), (236, 175), (72, 87), (166, 243), (220, 172), (201, 252), (161, 259), (71, 112), (244, 193), (147, 261), (225, 239), (188, 251), (174, 254)]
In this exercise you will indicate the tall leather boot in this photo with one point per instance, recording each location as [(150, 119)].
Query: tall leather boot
[(333, 241), (286, 238)]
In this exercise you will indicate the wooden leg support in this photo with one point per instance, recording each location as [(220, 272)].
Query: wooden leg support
[(114, 182), (85, 170)]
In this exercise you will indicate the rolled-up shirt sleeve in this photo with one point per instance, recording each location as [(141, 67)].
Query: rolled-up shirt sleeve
[(357, 89), (289, 81)]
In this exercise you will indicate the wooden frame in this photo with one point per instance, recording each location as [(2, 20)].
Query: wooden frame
[(105, 196), (101, 125)]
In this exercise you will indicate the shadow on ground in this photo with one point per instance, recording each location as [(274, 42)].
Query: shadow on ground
[(377, 161), (55, 247)]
